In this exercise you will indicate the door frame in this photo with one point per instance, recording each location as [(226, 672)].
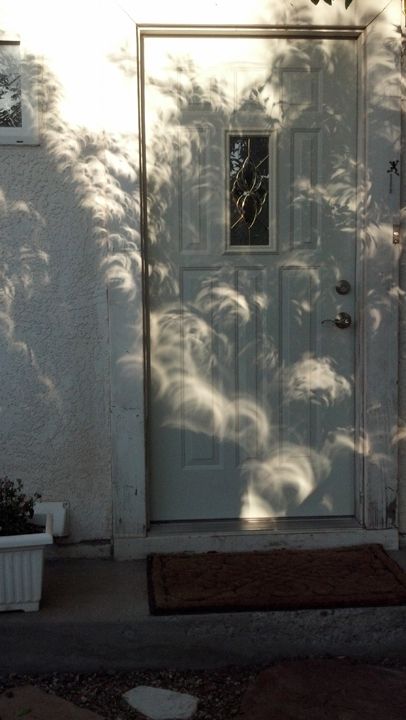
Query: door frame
[(376, 347)]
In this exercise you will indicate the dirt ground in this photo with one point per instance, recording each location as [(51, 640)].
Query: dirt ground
[(220, 692)]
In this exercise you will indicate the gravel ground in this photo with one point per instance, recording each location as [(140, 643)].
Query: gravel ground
[(219, 691)]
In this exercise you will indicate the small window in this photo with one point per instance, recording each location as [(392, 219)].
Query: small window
[(249, 190), (18, 102)]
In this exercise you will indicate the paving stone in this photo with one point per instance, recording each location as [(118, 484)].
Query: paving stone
[(160, 704), (326, 690), (31, 703)]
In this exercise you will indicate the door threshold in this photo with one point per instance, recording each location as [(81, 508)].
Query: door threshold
[(257, 525), (238, 536)]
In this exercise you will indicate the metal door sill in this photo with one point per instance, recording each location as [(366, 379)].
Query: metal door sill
[(261, 525)]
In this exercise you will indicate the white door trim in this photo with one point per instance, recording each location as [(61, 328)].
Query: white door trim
[(377, 406)]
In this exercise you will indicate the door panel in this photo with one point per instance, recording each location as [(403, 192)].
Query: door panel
[(250, 149)]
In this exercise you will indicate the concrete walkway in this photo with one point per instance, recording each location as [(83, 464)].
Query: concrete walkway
[(94, 616)]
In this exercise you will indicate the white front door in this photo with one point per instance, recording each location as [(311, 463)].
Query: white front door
[(251, 156)]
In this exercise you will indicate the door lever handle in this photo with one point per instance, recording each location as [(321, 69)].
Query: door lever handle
[(342, 320)]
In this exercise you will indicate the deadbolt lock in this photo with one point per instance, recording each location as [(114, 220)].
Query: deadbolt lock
[(343, 287)]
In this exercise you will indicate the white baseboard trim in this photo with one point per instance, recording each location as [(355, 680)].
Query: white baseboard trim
[(87, 550)]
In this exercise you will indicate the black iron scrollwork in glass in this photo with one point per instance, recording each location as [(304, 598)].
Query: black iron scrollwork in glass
[(249, 190)]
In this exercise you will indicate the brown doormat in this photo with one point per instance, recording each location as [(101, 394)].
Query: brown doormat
[(276, 580)]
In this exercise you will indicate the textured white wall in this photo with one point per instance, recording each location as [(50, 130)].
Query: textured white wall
[(67, 228), (53, 343)]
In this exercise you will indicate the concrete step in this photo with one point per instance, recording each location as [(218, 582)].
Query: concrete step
[(94, 616)]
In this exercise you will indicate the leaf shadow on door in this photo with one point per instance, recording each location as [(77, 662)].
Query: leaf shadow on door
[(243, 368)]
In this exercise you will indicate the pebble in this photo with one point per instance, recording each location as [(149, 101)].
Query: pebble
[(160, 704)]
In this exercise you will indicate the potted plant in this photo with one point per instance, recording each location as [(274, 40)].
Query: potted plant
[(21, 548)]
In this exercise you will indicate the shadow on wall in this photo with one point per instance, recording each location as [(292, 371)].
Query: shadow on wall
[(69, 228)]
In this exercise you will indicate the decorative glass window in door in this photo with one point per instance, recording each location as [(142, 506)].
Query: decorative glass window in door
[(249, 190)]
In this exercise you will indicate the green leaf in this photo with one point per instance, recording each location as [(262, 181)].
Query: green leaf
[(315, 2), (347, 4), (329, 2)]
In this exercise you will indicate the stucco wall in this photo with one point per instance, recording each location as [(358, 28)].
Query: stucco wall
[(66, 230), (54, 361), (69, 219)]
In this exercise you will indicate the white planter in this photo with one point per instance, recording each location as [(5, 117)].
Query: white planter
[(21, 569)]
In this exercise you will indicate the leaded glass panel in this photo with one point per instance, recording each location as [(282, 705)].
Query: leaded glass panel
[(249, 189)]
